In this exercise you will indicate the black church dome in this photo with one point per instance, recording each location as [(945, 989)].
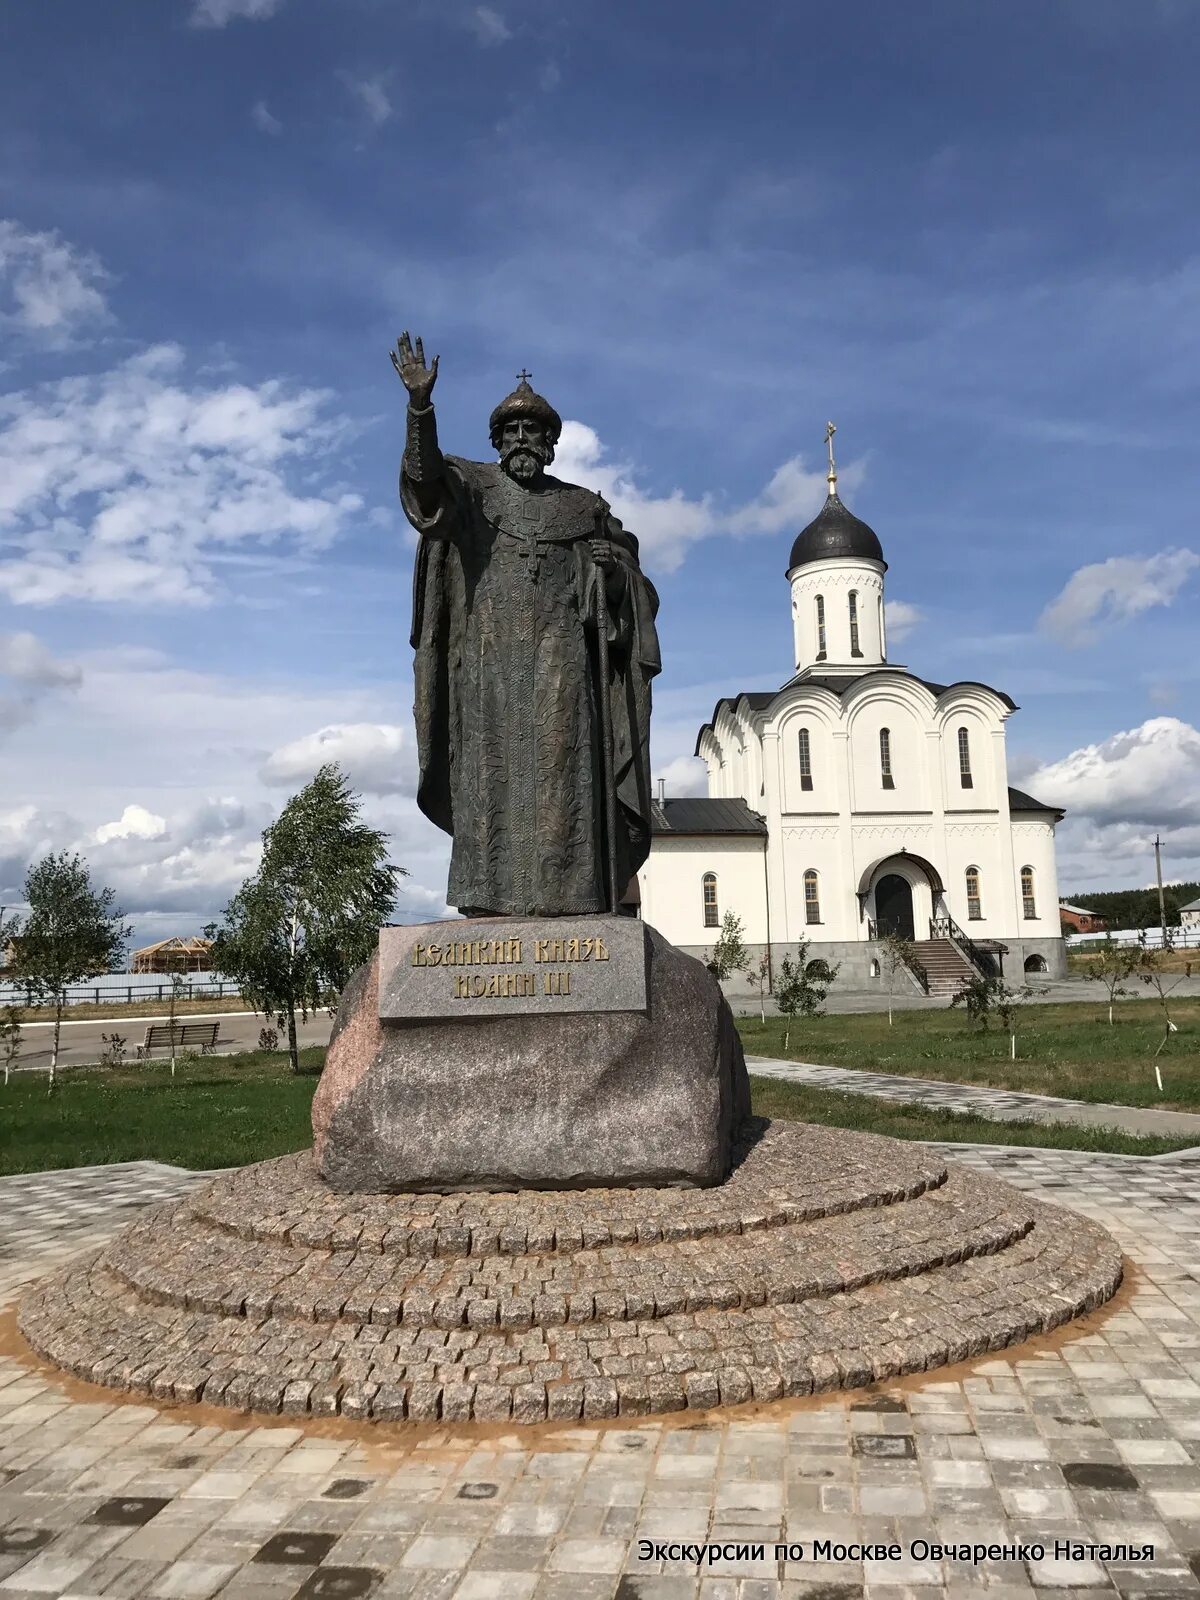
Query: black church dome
[(835, 532)]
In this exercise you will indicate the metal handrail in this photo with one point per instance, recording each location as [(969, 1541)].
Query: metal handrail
[(945, 927)]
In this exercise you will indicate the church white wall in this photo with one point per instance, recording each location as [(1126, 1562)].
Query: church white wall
[(834, 580), (1033, 845), (912, 778), (847, 822), (672, 888)]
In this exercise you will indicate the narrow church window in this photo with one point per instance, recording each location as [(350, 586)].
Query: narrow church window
[(882, 631), (820, 627), (854, 650), (1028, 904), (974, 900), (885, 758), (711, 918), (805, 760), (812, 897), (964, 759)]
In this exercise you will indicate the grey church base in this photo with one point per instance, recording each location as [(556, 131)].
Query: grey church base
[(854, 958), (580, 1099)]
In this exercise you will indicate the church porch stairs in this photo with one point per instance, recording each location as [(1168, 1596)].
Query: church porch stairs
[(946, 968)]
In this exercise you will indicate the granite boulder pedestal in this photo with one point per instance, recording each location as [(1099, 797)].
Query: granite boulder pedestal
[(540, 1053)]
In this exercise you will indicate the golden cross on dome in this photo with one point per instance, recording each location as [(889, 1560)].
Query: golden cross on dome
[(523, 376), (831, 475)]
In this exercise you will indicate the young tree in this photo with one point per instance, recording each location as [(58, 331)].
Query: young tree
[(1112, 965), (729, 954), (987, 994), (1150, 968), (172, 1011), (899, 954), (758, 975), (72, 931), (297, 929), (1008, 1006), (801, 987), (10, 1040)]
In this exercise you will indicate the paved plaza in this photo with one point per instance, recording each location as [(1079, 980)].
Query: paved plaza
[(1090, 1437)]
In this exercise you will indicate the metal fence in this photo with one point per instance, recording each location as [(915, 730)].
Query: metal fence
[(1178, 938), (123, 988)]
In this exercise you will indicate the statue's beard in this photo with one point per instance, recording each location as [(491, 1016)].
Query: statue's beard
[(523, 462)]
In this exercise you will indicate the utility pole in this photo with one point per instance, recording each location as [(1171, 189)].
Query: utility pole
[(1162, 905)]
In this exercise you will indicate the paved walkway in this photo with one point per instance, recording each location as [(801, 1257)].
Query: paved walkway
[(1000, 1105), (81, 1043), (1088, 1441)]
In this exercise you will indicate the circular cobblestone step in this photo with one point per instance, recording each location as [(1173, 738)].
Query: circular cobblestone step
[(284, 1200), (175, 1259), (901, 1267)]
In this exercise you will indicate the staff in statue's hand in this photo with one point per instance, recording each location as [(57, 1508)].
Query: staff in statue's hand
[(602, 554)]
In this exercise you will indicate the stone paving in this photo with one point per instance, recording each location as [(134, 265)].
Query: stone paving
[(1089, 1437), (828, 1259), (1000, 1105)]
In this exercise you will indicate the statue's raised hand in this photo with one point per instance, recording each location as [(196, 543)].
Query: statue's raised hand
[(416, 377)]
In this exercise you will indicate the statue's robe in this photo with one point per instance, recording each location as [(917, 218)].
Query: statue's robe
[(508, 691)]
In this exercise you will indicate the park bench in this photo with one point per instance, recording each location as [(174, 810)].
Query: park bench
[(188, 1036)]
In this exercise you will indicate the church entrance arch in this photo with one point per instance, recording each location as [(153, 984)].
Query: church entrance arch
[(894, 906)]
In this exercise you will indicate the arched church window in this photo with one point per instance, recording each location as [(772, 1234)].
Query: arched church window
[(820, 627), (854, 649), (974, 898), (805, 760), (882, 629), (964, 759), (709, 887), (812, 897), (1028, 902), (885, 758)]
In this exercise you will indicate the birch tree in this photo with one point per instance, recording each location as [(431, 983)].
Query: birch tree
[(311, 914), (72, 932)]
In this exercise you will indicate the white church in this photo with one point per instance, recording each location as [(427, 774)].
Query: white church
[(858, 800)]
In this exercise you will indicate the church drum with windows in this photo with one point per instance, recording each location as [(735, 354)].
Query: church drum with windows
[(859, 800)]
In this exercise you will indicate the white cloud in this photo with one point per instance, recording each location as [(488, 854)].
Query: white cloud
[(666, 525), (1120, 795), (1116, 590), (26, 662), (216, 13), (371, 95), (192, 758), (900, 618), (374, 756), (1148, 775), (685, 775), (125, 486), (24, 657), (135, 822), (263, 120), (488, 26), (48, 289), (26, 834)]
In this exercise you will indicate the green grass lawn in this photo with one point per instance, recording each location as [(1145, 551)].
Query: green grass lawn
[(228, 1110), (1066, 1049), (220, 1111)]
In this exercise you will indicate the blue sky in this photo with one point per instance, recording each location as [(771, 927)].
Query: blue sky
[(967, 232)]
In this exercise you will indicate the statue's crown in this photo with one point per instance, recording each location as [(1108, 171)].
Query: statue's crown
[(525, 401)]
